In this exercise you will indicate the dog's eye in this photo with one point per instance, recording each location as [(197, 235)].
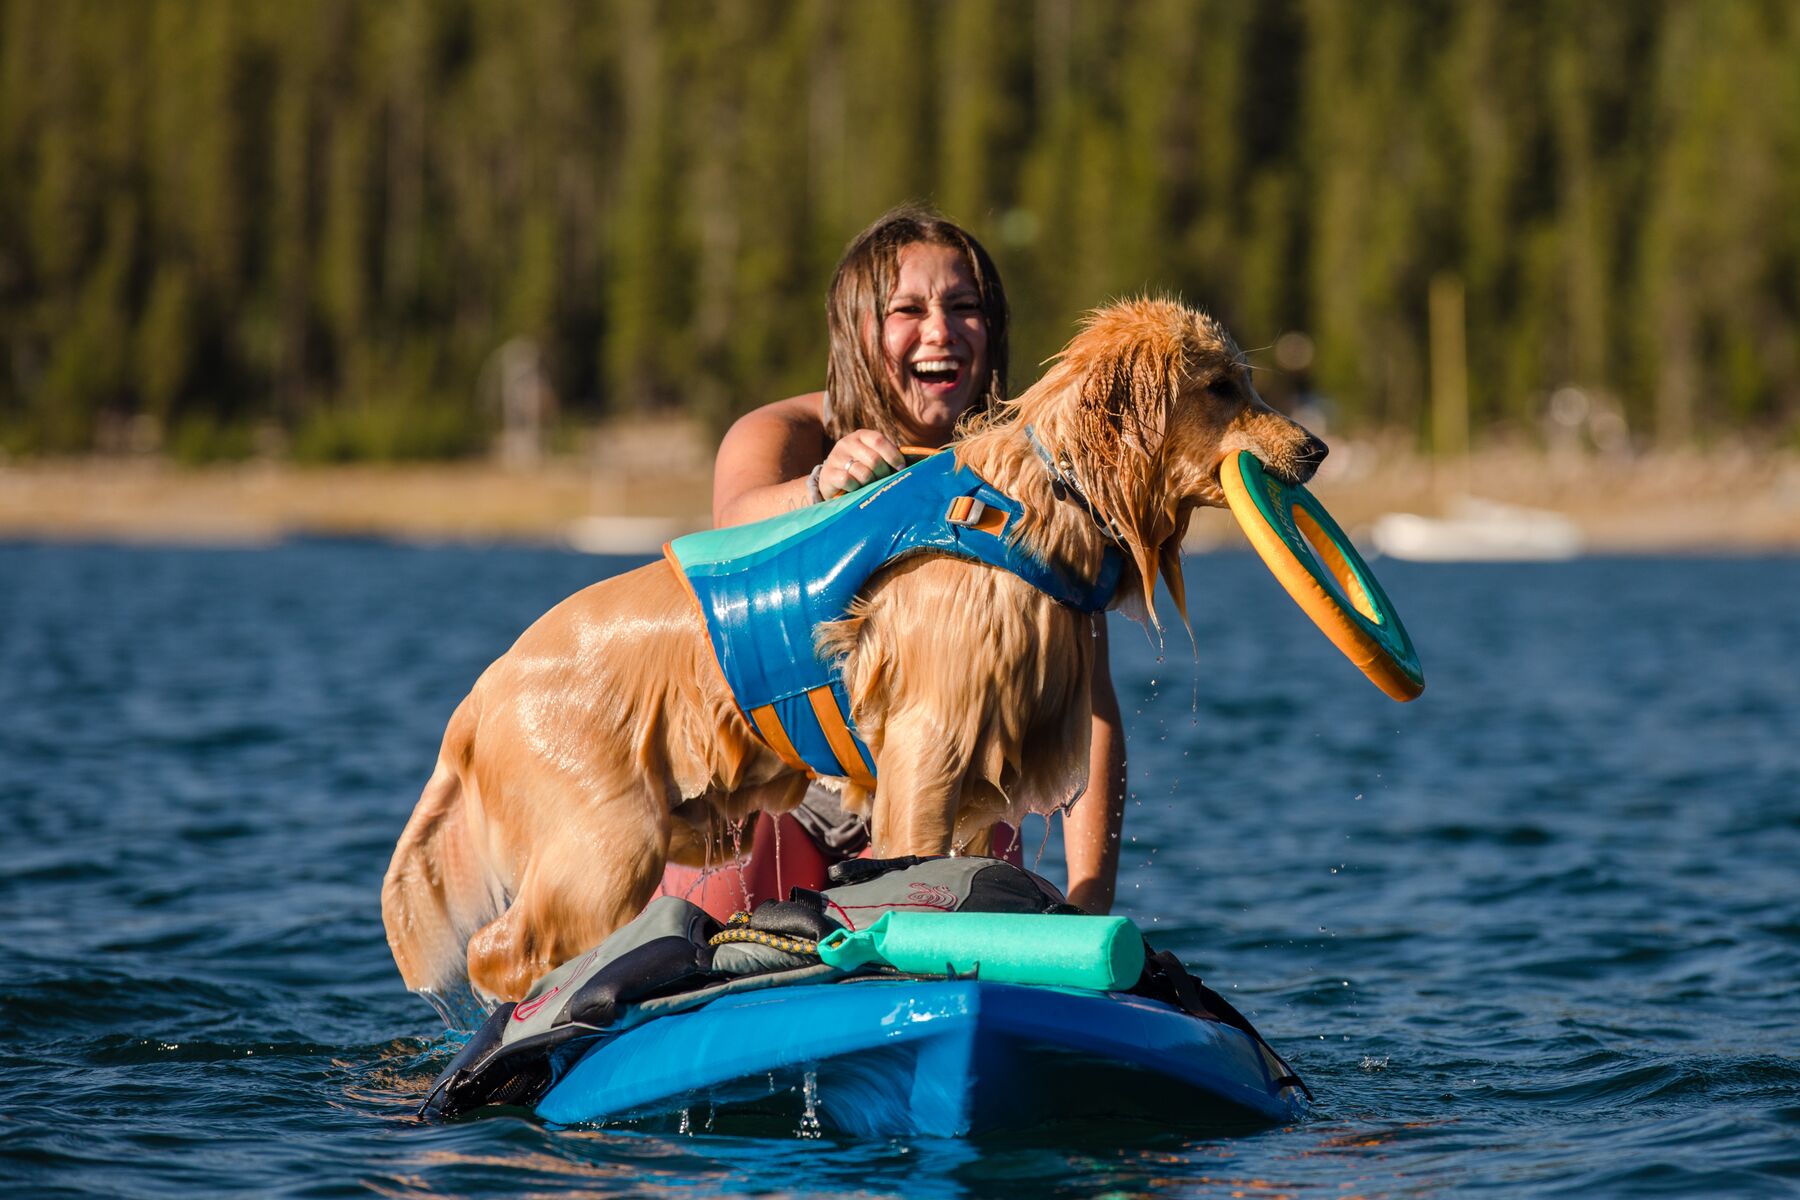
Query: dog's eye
[(1223, 387)]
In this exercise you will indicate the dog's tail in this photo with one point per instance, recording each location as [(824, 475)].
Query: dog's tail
[(439, 889)]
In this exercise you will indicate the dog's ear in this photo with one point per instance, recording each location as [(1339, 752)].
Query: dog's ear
[(1169, 566), (1129, 376)]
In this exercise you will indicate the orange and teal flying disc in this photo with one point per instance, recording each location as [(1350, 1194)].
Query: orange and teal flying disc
[(1321, 570)]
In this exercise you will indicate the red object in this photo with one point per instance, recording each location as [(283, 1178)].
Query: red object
[(782, 856)]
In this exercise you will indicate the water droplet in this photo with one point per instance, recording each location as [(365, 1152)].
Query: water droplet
[(809, 1120)]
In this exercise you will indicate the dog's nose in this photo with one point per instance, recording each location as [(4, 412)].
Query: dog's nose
[(1308, 456)]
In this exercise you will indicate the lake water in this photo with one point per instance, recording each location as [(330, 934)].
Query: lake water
[(1536, 933)]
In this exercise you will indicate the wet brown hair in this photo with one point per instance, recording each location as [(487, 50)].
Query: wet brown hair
[(856, 377)]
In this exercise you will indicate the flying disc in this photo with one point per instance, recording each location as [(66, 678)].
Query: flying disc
[(1310, 556)]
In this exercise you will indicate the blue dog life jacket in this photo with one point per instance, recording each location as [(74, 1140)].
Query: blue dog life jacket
[(764, 588)]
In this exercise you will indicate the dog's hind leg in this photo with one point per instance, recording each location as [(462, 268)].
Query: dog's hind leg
[(570, 896), (438, 888)]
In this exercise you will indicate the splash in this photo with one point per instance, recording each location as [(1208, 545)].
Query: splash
[(458, 1006), (809, 1120)]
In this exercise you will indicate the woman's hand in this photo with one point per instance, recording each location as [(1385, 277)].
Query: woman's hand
[(858, 459)]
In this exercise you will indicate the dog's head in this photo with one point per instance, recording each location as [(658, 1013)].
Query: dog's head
[(1141, 408)]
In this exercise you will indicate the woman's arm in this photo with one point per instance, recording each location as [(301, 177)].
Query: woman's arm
[(1091, 828), (767, 456)]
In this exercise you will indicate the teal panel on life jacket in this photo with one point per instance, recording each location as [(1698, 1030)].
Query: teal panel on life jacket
[(764, 589), (744, 545)]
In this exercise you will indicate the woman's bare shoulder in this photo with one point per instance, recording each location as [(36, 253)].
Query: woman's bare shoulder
[(778, 435), (797, 414), (766, 448)]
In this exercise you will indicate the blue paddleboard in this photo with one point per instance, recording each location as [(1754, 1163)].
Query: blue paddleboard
[(899, 1057)]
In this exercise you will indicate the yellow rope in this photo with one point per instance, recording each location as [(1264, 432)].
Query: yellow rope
[(773, 940)]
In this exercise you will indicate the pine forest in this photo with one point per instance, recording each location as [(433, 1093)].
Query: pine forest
[(316, 227)]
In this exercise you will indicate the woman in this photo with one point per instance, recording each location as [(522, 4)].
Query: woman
[(917, 319)]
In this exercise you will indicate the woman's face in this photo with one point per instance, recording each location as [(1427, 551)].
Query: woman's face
[(934, 340)]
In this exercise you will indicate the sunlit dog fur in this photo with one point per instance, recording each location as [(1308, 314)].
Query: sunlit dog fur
[(605, 742)]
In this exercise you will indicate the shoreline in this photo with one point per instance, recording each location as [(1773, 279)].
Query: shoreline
[(643, 490)]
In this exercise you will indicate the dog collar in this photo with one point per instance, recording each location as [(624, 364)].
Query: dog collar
[(1062, 486)]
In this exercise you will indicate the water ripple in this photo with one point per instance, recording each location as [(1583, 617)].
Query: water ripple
[(1533, 934)]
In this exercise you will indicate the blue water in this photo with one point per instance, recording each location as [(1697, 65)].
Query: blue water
[(1536, 933)]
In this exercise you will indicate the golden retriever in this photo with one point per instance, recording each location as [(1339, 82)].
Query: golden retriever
[(606, 740)]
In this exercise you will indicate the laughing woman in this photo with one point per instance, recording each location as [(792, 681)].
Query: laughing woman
[(917, 321)]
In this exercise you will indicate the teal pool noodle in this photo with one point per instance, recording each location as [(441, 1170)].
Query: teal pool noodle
[(1102, 954)]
